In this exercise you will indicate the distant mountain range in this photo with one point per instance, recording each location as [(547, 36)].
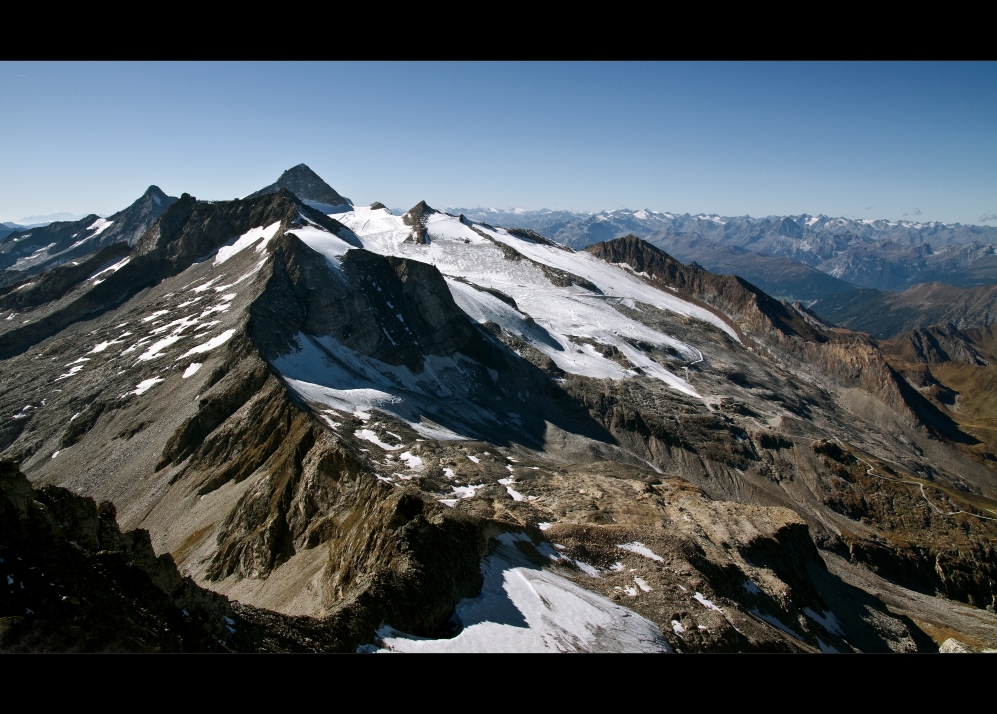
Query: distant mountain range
[(879, 254), (342, 429), (836, 266), (28, 251)]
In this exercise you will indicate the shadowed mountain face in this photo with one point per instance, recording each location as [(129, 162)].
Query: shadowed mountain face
[(957, 370), (306, 185), (29, 252), (352, 433), (886, 315)]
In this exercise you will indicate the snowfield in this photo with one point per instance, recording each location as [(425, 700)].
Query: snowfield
[(558, 320), (522, 608)]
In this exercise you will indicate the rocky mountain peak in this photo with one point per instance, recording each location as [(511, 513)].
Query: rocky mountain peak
[(145, 209), (418, 211), (155, 191), (306, 185), (417, 217)]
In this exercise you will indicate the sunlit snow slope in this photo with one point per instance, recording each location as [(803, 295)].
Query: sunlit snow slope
[(477, 258), (522, 608)]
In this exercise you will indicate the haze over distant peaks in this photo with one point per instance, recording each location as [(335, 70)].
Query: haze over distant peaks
[(32, 221), (306, 185)]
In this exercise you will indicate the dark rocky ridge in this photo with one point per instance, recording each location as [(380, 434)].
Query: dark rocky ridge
[(730, 295), (81, 585), (189, 231), (69, 241), (291, 489), (114, 594), (778, 276)]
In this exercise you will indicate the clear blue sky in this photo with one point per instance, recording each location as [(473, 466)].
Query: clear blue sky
[(862, 140)]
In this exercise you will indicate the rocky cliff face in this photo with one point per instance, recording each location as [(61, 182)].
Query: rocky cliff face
[(332, 432)]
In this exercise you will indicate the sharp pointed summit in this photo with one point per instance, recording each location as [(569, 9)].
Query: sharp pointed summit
[(308, 186), (417, 216)]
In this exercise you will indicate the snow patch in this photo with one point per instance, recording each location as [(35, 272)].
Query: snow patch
[(101, 225), (211, 344), (322, 241), (72, 371), (460, 492), (156, 348), (412, 461), (751, 588), (708, 604), (775, 622), (828, 621), (109, 269), (145, 385), (641, 549), (507, 482), (373, 438), (261, 235), (522, 608)]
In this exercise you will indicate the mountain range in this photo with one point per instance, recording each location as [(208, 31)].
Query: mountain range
[(775, 252), (303, 424), (32, 250)]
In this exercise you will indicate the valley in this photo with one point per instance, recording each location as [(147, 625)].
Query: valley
[(342, 429)]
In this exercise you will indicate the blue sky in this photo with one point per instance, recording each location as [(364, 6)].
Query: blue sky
[(863, 140)]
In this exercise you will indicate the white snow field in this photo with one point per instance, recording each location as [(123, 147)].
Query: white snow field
[(470, 252), (253, 236), (522, 608), (323, 371)]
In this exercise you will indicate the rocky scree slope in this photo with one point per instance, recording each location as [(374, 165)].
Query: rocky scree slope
[(342, 437), (844, 363)]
